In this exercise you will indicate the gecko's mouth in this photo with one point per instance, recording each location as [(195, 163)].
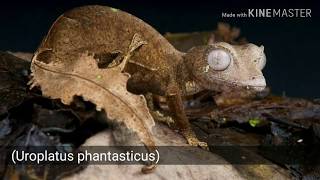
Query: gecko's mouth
[(256, 88), (257, 84)]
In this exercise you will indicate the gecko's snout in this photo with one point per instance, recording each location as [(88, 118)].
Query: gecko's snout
[(256, 83)]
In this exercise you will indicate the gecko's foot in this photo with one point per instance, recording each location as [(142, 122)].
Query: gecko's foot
[(193, 140), (196, 142)]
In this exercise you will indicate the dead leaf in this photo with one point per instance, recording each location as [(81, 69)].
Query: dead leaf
[(224, 33), (227, 33), (13, 77)]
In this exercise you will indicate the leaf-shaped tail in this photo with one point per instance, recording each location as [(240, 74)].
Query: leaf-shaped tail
[(104, 87)]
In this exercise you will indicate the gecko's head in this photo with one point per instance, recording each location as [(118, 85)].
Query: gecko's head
[(222, 65)]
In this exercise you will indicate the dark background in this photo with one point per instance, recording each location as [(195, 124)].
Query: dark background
[(291, 44)]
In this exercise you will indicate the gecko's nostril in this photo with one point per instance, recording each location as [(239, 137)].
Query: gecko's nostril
[(253, 78)]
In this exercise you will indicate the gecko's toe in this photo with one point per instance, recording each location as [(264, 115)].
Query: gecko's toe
[(203, 145), (193, 141)]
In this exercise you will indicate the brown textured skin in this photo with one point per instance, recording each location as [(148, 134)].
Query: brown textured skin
[(155, 67), (100, 30)]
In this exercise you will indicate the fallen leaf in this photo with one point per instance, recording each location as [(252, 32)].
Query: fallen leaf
[(13, 78)]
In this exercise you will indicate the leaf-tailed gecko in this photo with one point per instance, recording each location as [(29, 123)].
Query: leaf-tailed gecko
[(155, 66)]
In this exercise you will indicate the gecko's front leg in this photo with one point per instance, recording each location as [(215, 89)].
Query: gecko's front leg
[(175, 105)]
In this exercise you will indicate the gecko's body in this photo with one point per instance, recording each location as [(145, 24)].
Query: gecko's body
[(155, 66), (103, 31)]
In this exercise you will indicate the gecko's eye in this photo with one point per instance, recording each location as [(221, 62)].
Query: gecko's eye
[(219, 59)]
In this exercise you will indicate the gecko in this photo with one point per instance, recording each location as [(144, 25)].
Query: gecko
[(155, 66)]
